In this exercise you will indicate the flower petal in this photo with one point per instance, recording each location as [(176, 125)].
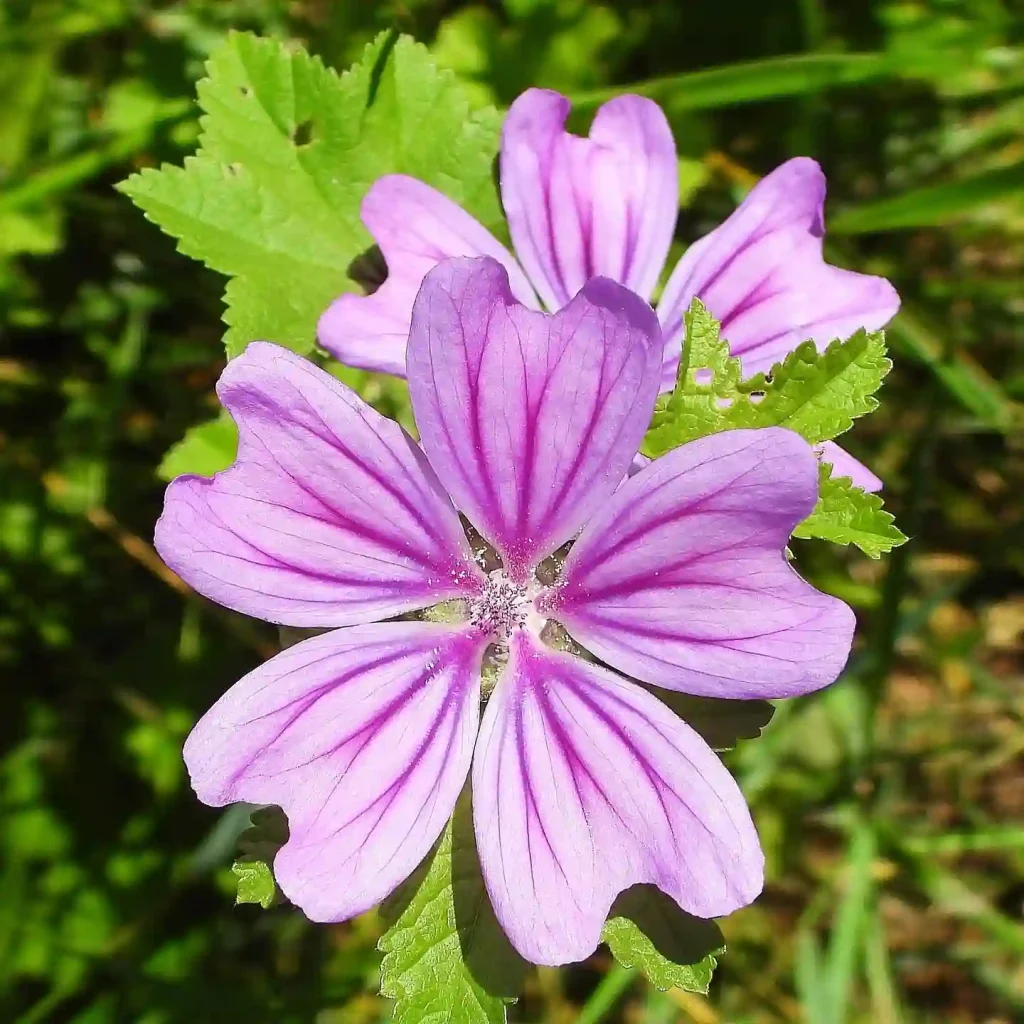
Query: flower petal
[(600, 206), (584, 784), (844, 464), (762, 274), (529, 420), (364, 736), (681, 579), (329, 516), (416, 227)]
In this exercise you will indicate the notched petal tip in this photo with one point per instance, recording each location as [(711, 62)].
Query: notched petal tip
[(380, 195), (623, 303), (763, 275), (415, 226), (844, 464), (633, 105), (574, 762), (578, 207), (257, 357), (790, 458), (480, 276), (801, 183), (882, 299), (536, 108), (529, 419)]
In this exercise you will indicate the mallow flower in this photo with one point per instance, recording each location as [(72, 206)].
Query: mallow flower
[(536, 630), (607, 205)]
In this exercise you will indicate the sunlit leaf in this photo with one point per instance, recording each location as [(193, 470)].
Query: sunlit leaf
[(674, 949), (446, 960), (847, 515), (205, 449), (288, 150), (816, 394)]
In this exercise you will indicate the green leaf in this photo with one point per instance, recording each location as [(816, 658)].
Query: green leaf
[(446, 959), (817, 394), (696, 407), (820, 394), (205, 449), (847, 515), (62, 176), (258, 846), (646, 929), (255, 882), (24, 78), (38, 233), (287, 152)]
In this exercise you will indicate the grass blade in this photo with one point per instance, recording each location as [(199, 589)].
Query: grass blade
[(851, 919), (610, 990), (932, 204), (885, 1001), (809, 976), (963, 378), (750, 81)]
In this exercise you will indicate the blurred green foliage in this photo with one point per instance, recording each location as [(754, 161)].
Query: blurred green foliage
[(890, 806)]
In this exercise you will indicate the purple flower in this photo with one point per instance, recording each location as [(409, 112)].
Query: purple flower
[(583, 781), (607, 205)]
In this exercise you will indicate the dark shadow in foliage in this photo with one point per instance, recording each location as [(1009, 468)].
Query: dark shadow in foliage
[(369, 269), (676, 935), (289, 636), (488, 954), (490, 958), (259, 844), (382, 62), (267, 833), (303, 134), (720, 722)]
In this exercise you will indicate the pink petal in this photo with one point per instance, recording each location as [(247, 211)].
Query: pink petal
[(583, 785), (762, 273), (681, 579), (529, 420), (577, 208), (364, 736), (330, 515), (416, 227), (844, 464)]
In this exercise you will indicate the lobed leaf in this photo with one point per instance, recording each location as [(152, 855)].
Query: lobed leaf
[(847, 515), (446, 959), (673, 949), (205, 449), (288, 150), (817, 394), (258, 846)]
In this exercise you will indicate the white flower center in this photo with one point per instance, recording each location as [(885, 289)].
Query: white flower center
[(502, 606)]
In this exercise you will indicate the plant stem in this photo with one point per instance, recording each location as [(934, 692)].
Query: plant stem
[(603, 999)]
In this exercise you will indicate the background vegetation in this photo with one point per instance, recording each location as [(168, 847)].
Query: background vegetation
[(891, 806)]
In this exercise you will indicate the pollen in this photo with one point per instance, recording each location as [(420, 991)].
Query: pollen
[(502, 607)]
